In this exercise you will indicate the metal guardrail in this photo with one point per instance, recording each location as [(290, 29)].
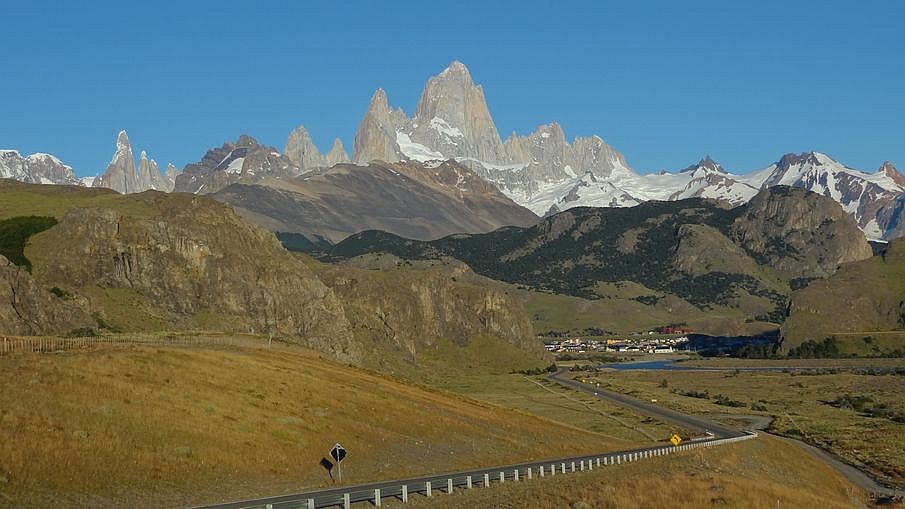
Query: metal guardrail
[(376, 493)]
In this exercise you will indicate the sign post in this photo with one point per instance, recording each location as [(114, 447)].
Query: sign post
[(338, 453)]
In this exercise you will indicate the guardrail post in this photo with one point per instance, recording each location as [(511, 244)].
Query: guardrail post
[(346, 502), (405, 493), (502, 477), (590, 465), (268, 506), (598, 462), (563, 468), (515, 475), (486, 480), (310, 503), (427, 488), (541, 470), (468, 482), (449, 486), (530, 473), (618, 459), (581, 466), (553, 469), (376, 497), (573, 466)]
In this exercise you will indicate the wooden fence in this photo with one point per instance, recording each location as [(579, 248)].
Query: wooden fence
[(23, 344)]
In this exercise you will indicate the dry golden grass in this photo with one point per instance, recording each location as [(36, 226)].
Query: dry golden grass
[(159, 427), (797, 402), (755, 474)]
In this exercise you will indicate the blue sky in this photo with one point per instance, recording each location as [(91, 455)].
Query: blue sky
[(663, 83)]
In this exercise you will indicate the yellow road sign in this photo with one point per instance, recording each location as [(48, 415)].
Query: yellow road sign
[(675, 439)]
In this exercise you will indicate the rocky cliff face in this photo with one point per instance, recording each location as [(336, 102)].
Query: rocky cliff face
[(375, 139), (28, 309), (122, 176), (154, 261), (36, 169), (863, 297), (452, 118), (410, 309), (244, 160), (195, 257), (800, 233), (300, 149)]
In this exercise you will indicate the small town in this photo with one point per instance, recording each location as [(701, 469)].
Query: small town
[(636, 344)]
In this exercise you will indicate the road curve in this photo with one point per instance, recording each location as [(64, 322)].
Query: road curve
[(851, 473), (688, 421), (440, 482)]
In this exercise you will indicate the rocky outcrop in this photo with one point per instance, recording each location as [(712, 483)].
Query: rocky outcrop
[(337, 154), (122, 176), (452, 118), (375, 139), (36, 169), (194, 256), (244, 160), (800, 233), (28, 309), (411, 309), (862, 297), (300, 149)]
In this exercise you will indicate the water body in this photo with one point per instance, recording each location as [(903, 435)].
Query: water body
[(672, 365)]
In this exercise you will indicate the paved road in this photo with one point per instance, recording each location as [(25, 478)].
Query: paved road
[(687, 421), (855, 476), (439, 482)]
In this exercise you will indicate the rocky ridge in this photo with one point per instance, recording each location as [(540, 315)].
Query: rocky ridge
[(36, 169), (416, 200), (122, 176), (547, 174), (161, 262), (703, 251), (244, 160)]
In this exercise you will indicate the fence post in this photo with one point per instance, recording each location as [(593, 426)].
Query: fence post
[(405, 492), (376, 497)]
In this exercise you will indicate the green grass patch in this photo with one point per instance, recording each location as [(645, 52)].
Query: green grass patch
[(15, 232)]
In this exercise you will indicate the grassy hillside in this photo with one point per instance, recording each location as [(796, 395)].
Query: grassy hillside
[(170, 427), (862, 306), (152, 262)]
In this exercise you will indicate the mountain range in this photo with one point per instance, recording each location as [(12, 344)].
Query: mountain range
[(691, 254), (543, 171)]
